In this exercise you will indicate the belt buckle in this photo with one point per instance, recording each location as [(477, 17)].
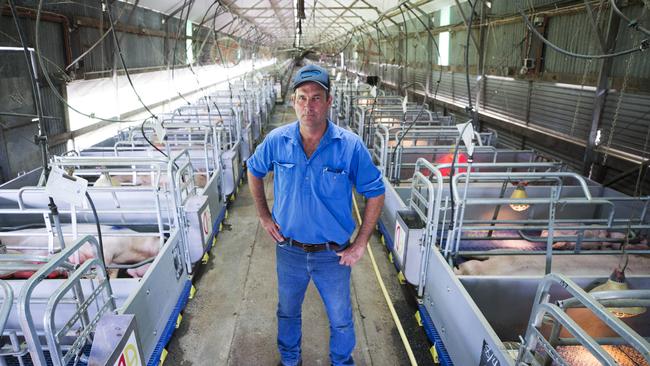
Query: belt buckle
[(310, 248)]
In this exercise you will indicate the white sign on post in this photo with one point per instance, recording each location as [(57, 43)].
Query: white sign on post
[(159, 130), (62, 187), (467, 131)]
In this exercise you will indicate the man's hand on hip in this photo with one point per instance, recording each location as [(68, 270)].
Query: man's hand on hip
[(351, 255), (272, 228)]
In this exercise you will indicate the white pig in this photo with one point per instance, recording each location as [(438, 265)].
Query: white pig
[(117, 249), (571, 265)]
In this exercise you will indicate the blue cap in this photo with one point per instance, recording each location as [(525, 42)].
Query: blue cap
[(313, 73)]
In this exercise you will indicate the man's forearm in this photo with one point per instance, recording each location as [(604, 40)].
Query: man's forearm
[(370, 217), (257, 191)]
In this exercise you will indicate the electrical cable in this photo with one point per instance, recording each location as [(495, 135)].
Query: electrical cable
[(435, 94), (103, 36), (178, 34), (200, 51), (51, 84), (99, 235), (384, 291), (645, 44), (470, 108), (38, 103), (216, 43), (395, 178), (632, 23), (406, 43), (348, 43), (132, 265), (46, 75), (144, 135), (452, 171), (51, 63), (42, 137), (119, 51)]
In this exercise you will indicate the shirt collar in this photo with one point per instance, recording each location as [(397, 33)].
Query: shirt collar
[(332, 133)]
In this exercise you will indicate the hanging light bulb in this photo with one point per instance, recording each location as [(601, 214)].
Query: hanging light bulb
[(518, 194), (617, 282)]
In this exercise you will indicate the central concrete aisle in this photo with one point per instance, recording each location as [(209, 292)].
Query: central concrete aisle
[(231, 320)]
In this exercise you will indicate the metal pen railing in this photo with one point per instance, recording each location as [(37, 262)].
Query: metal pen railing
[(544, 311)]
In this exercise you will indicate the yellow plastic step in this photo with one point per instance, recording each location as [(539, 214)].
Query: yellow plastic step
[(163, 356), (418, 318), (434, 354), (401, 278)]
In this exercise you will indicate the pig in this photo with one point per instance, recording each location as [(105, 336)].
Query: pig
[(570, 245), (117, 249), (636, 244), (571, 265), (200, 180), (138, 272)]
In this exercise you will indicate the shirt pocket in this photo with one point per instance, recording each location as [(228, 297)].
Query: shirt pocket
[(335, 183), (284, 174)]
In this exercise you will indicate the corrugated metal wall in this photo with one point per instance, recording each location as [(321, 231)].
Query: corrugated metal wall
[(141, 33), (18, 131), (559, 101)]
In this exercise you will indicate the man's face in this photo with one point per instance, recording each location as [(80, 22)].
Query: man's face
[(311, 104)]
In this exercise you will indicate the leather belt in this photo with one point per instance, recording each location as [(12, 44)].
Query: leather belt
[(313, 248)]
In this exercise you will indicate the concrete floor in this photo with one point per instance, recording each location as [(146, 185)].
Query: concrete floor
[(231, 320)]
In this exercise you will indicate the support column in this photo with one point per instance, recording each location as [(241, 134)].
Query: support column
[(480, 65), (601, 95), (400, 56)]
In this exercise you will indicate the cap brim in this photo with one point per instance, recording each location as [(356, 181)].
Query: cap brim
[(310, 81)]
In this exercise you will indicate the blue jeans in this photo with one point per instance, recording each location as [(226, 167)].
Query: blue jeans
[(295, 268)]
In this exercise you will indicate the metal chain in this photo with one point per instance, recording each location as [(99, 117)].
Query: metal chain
[(578, 104), (584, 74), (645, 144), (619, 102)]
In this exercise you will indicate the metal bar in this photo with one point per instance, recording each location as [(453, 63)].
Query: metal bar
[(595, 27), (507, 252), (641, 168), (600, 96), (7, 304), (466, 22)]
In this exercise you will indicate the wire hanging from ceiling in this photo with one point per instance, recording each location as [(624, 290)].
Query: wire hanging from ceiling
[(435, 43), (645, 44), (48, 79), (119, 51), (631, 23)]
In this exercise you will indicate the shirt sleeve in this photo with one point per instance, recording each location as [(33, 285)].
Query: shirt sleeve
[(260, 163), (367, 178)]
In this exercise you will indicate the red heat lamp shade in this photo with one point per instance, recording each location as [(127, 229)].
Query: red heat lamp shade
[(448, 159)]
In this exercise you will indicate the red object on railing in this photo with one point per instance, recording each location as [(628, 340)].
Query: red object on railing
[(447, 159)]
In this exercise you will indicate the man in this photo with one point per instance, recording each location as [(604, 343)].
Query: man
[(315, 165)]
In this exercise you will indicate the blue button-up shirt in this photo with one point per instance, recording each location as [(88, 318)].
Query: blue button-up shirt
[(313, 195)]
